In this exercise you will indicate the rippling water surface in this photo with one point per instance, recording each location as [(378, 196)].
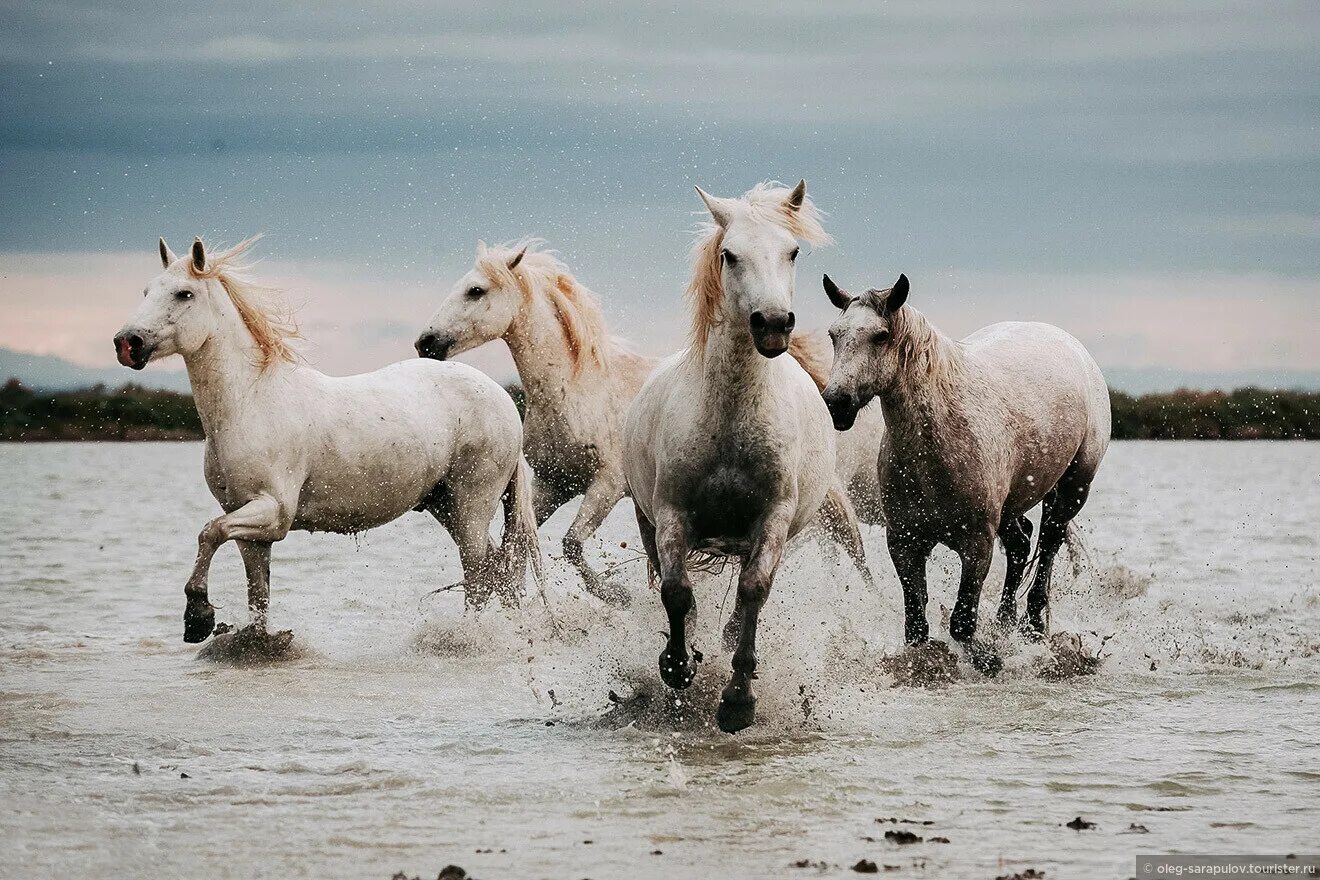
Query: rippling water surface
[(409, 736)]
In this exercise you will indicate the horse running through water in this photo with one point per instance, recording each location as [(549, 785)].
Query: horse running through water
[(977, 434), (579, 382), (288, 447), (728, 448)]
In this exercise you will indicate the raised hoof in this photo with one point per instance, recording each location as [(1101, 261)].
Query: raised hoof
[(735, 714), (984, 658), (198, 624), (675, 671)]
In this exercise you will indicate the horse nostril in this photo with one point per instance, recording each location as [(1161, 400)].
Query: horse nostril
[(425, 343), (135, 342), (790, 323), (758, 320)]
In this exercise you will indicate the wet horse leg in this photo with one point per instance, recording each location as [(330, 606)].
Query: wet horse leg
[(840, 521), (1061, 505), (466, 513), (605, 491), (976, 552), (676, 592), (1015, 535), (737, 702), (909, 553), (256, 560), (261, 519)]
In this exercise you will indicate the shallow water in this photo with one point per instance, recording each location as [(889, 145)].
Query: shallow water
[(408, 736)]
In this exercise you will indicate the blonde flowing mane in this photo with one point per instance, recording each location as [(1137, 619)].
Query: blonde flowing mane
[(576, 307), (767, 201), (264, 313)]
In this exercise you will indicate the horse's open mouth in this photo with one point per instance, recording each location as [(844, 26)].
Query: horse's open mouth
[(132, 351)]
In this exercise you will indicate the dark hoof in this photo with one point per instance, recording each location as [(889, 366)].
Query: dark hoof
[(198, 624), (736, 713), (675, 671), (985, 659)]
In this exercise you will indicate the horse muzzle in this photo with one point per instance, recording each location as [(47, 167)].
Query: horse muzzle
[(433, 346), (843, 408), (132, 349), (771, 331)]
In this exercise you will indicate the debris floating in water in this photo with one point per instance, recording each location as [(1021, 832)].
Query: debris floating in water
[(1080, 824)]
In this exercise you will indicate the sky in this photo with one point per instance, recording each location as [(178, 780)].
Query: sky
[(1145, 175)]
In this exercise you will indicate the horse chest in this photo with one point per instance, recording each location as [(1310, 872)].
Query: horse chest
[(739, 480)]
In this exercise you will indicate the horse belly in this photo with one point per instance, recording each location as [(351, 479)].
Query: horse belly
[(726, 505), (356, 498)]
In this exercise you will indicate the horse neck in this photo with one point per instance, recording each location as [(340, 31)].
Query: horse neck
[(225, 373), (927, 393), (540, 352), (732, 369)]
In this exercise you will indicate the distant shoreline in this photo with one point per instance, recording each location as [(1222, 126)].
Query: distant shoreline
[(134, 414)]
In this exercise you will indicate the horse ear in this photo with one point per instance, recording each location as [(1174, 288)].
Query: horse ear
[(167, 257), (839, 297), (481, 246), (517, 258), (719, 208), (898, 295), (198, 255), (797, 196)]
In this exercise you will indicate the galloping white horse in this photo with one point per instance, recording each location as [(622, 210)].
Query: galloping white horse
[(290, 448), (728, 448), (977, 433), (577, 379)]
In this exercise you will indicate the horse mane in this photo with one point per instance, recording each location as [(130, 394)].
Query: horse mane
[(921, 347), (576, 307), (767, 201), (266, 316), (814, 354)]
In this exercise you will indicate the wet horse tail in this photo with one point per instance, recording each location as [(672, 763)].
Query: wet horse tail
[(519, 547)]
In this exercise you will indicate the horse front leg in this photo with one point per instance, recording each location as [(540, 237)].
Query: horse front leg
[(671, 543), (605, 491), (262, 520), (975, 552), (909, 554), (738, 703)]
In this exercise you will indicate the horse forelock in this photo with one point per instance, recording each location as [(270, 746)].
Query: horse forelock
[(266, 316), (542, 273), (767, 201)]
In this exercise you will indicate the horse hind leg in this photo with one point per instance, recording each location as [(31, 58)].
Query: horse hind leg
[(1062, 503), (1015, 535), (466, 515), (839, 520)]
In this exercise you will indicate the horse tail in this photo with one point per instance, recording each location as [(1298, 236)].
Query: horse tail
[(519, 546), (812, 351)]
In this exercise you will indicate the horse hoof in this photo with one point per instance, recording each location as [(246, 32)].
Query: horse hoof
[(198, 625), (675, 671), (734, 715), (1032, 632), (984, 658)]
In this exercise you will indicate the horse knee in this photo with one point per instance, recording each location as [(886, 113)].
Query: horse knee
[(753, 592), (676, 594)]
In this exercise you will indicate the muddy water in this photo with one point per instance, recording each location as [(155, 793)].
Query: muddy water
[(408, 737)]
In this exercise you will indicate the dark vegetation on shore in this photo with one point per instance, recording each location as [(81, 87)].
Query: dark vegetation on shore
[(135, 413)]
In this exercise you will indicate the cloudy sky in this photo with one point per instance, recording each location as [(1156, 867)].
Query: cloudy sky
[(1146, 175)]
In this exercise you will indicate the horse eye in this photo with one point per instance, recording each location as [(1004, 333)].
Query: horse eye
[(729, 257), (792, 257), (183, 294), (880, 337), (475, 291)]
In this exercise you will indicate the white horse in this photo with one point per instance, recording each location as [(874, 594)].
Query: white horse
[(288, 447), (977, 433), (577, 380), (728, 449)]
